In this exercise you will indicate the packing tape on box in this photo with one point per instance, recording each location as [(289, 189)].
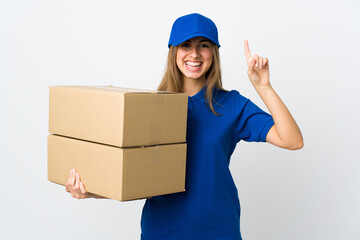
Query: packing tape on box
[(155, 133), (157, 100), (156, 127), (156, 154)]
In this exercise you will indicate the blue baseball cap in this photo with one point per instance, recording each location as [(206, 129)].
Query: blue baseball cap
[(193, 25)]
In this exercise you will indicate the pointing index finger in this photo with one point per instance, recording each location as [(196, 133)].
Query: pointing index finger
[(247, 50)]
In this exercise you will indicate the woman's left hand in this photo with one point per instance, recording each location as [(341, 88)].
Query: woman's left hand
[(258, 68)]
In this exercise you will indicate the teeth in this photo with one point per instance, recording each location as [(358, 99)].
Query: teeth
[(193, 64)]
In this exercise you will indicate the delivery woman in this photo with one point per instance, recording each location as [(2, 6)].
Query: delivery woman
[(209, 209)]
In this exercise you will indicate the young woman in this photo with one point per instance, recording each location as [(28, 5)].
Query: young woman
[(217, 120)]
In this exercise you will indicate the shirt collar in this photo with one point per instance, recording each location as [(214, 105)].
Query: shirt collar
[(200, 96)]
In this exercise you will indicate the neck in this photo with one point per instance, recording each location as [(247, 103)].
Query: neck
[(193, 86)]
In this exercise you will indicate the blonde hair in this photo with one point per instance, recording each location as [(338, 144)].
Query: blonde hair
[(173, 81)]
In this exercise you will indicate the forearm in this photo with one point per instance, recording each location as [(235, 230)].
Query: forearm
[(288, 132)]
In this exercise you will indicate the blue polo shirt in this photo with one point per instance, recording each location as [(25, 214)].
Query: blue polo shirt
[(209, 209)]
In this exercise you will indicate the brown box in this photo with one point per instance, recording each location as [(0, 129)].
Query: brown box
[(118, 116), (118, 173)]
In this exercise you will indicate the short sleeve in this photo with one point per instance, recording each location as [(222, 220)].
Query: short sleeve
[(252, 123)]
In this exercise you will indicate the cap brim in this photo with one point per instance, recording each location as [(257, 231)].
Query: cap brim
[(183, 39)]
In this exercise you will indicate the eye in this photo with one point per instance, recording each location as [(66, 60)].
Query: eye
[(185, 45), (205, 45)]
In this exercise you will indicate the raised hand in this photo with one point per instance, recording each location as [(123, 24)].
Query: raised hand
[(258, 67)]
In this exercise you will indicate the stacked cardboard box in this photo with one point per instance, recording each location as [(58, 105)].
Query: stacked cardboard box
[(126, 143)]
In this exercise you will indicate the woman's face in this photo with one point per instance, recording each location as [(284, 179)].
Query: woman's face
[(194, 57)]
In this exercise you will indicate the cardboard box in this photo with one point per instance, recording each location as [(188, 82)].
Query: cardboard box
[(118, 116), (118, 173)]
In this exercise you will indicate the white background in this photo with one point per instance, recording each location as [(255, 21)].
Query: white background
[(313, 49)]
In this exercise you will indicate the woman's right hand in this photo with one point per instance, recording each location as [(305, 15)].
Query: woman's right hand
[(75, 187)]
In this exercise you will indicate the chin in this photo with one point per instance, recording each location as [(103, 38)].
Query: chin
[(194, 76)]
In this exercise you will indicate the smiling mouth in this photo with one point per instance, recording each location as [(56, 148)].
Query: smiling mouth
[(193, 65)]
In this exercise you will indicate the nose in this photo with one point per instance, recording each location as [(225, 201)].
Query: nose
[(195, 52)]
